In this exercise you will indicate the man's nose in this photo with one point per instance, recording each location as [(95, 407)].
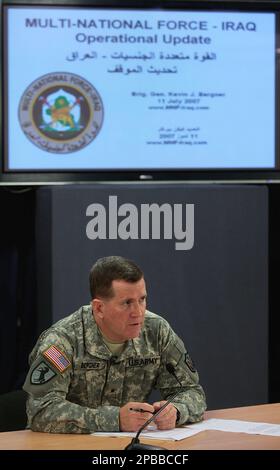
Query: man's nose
[(137, 309)]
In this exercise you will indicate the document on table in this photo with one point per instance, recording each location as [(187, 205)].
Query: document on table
[(212, 424), (233, 425), (176, 434)]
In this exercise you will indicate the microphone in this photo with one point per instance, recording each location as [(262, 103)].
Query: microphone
[(171, 370), (135, 443)]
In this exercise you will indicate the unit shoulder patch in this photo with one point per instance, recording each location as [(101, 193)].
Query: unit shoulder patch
[(57, 358), (189, 363), (42, 374)]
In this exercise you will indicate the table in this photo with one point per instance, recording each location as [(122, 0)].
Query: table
[(211, 440)]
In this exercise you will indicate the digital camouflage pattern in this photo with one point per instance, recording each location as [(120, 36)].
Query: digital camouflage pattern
[(86, 397)]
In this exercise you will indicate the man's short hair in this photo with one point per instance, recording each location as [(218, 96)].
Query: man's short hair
[(109, 269)]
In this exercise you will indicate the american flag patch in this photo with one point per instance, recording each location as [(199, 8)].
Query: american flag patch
[(57, 358)]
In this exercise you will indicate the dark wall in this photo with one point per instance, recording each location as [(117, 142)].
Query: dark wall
[(214, 295), (17, 285), (274, 290)]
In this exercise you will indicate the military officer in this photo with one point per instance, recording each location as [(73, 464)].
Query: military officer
[(94, 370)]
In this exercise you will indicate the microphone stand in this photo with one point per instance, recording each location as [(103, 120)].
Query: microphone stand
[(135, 442)]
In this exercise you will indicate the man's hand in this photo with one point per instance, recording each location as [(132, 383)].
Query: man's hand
[(167, 418), (131, 418)]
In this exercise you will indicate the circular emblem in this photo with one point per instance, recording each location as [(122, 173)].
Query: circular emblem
[(61, 112)]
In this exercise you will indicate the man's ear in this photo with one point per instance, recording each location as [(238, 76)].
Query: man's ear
[(97, 308)]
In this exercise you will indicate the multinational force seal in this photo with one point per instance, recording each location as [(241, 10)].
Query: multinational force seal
[(61, 112)]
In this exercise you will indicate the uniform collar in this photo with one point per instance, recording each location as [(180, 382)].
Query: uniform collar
[(93, 339)]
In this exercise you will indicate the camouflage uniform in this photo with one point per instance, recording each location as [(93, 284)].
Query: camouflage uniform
[(82, 390)]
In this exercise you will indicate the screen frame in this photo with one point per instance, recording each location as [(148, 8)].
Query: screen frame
[(224, 175)]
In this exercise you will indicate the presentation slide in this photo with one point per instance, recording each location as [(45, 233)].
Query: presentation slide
[(91, 89)]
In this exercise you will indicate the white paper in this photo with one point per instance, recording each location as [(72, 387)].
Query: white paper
[(170, 435), (213, 424), (233, 425)]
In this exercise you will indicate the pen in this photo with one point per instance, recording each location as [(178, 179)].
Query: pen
[(140, 410)]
